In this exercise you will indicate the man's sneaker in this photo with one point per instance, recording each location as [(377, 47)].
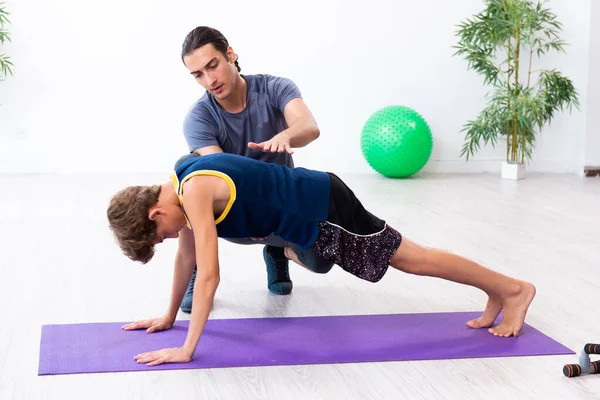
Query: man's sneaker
[(278, 274), (186, 303)]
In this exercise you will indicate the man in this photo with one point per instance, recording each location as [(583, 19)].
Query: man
[(231, 196), (258, 116)]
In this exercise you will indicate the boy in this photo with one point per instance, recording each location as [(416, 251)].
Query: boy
[(230, 196)]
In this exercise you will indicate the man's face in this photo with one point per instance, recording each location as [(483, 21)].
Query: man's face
[(213, 70)]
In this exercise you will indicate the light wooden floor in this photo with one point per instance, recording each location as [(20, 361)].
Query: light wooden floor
[(59, 264)]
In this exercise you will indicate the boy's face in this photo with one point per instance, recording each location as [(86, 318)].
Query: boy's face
[(216, 73), (169, 221)]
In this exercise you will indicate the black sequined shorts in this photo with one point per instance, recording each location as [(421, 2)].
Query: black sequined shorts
[(353, 238)]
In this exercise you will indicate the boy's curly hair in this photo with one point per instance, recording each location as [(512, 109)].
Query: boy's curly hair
[(128, 219)]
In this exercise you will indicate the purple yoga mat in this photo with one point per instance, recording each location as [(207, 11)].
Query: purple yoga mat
[(105, 347)]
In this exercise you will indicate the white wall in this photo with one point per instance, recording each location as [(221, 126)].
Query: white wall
[(592, 139), (99, 86)]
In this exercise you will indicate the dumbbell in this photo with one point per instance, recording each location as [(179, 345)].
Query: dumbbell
[(584, 366)]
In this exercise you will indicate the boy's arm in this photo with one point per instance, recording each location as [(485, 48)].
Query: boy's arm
[(198, 203), (198, 200), (185, 261)]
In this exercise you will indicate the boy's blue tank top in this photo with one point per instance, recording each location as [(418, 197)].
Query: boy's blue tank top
[(266, 198)]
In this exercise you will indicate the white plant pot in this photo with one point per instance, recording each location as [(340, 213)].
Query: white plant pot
[(513, 171)]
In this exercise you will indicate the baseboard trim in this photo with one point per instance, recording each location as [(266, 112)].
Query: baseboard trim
[(589, 171), (27, 167), (495, 166)]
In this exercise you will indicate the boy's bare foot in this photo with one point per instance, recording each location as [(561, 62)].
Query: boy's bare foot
[(492, 309), (514, 310)]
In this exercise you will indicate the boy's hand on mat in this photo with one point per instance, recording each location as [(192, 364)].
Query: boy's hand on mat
[(172, 355), (151, 325), (278, 144)]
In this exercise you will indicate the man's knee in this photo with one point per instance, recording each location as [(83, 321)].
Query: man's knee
[(321, 267), (312, 261), (242, 241), (185, 158)]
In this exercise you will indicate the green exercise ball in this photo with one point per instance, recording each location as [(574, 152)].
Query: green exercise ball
[(396, 142)]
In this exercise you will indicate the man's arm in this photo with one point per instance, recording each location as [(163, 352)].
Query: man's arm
[(302, 129), (203, 151), (201, 131), (302, 126), (198, 200)]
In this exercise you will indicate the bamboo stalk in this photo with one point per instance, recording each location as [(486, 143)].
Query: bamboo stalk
[(515, 132), (523, 145), (530, 63), (528, 85), (508, 142)]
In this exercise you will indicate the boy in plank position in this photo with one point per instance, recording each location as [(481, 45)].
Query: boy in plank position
[(230, 196)]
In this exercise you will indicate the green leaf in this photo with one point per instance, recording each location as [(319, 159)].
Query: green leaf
[(5, 63), (5, 66)]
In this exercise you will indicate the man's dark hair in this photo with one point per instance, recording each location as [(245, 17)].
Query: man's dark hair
[(203, 35)]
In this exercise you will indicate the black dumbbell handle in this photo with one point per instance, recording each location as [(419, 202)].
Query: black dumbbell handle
[(572, 370), (591, 348)]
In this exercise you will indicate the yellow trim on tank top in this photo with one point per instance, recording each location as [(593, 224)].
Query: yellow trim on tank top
[(175, 181), (179, 191)]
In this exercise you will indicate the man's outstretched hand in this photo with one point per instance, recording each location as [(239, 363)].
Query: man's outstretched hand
[(278, 144)]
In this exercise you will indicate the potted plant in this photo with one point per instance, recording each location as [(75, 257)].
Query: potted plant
[(5, 63), (500, 43)]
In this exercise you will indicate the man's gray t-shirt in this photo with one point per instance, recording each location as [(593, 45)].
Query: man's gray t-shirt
[(208, 124)]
